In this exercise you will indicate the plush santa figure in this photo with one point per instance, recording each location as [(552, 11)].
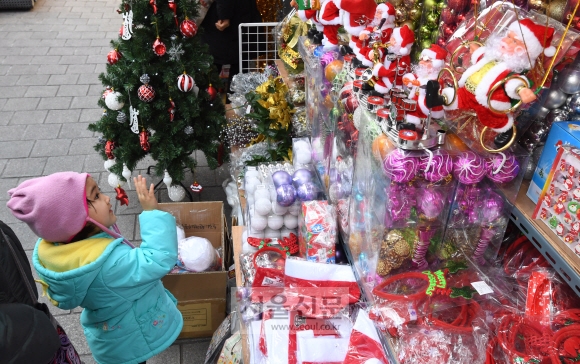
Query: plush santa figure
[(357, 14), (504, 54), (325, 16), (392, 69), (381, 28), (432, 60)]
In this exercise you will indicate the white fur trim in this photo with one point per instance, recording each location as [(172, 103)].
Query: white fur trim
[(367, 32), (302, 15), (513, 84), (381, 88), (499, 105), (366, 62), (449, 92), (475, 56), (404, 51), (438, 63), (532, 43), (550, 51), (334, 21), (487, 82), (413, 119), (365, 326), (327, 46), (337, 3), (428, 53), (376, 69), (437, 114), (507, 126), (422, 105)]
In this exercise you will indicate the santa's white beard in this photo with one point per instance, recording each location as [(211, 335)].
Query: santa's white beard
[(423, 72), (375, 23), (396, 49), (518, 61)]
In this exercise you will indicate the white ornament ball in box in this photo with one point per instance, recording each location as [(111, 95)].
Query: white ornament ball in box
[(258, 222), (262, 192), (285, 232), (301, 145), (303, 157), (262, 206), (271, 234), (250, 200), (109, 163), (247, 248), (275, 222), (277, 209), (256, 234), (197, 254), (294, 209), (180, 233), (250, 185), (290, 221), (112, 101), (252, 173)]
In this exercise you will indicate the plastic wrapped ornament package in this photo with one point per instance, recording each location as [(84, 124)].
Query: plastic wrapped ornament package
[(197, 254)]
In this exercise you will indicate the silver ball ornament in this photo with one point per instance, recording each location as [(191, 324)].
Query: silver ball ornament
[(569, 80), (556, 116), (176, 193), (121, 117), (554, 99), (574, 103)]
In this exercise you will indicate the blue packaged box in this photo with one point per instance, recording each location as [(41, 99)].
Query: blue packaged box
[(561, 133)]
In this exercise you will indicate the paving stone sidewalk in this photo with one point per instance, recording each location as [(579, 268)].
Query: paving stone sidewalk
[(50, 59)]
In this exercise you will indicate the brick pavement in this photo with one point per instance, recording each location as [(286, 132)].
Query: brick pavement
[(50, 59)]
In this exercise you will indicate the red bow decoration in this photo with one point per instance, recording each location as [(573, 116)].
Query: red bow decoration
[(290, 243), (122, 196), (256, 242)]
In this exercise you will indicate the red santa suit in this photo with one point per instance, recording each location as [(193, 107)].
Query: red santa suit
[(437, 56), (389, 71), (478, 80), (330, 17), (357, 14), (387, 13)]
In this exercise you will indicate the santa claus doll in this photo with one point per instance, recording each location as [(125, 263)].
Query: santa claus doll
[(505, 54), (356, 15), (325, 16), (397, 62), (381, 29), (431, 61)]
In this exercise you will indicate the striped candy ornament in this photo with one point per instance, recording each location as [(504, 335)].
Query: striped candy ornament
[(185, 83)]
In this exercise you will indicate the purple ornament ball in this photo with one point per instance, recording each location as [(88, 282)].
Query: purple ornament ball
[(469, 168), (307, 191), (301, 176), (399, 167), (436, 168), (281, 178), (431, 203), (327, 58), (492, 207), (285, 195), (502, 168)]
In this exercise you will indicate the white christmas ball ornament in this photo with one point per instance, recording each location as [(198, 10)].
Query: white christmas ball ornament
[(176, 193), (277, 209), (258, 222), (294, 209), (167, 179), (290, 221), (109, 163), (262, 192), (263, 206), (271, 234), (180, 233), (112, 101), (252, 173), (115, 181), (197, 254), (303, 157), (126, 174), (285, 232), (256, 233), (250, 200), (275, 222)]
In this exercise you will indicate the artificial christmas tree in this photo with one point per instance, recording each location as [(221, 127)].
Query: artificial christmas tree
[(152, 98)]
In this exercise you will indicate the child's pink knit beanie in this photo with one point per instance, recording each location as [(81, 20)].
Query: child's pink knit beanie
[(54, 206)]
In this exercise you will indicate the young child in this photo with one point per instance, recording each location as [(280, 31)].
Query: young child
[(128, 316)]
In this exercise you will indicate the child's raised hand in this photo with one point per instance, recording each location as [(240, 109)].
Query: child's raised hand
[(146, 196)]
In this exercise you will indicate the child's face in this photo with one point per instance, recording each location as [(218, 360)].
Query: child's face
[(99, 204)]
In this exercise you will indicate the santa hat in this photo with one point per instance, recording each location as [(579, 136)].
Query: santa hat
[(388, 12), (536, 37), (364, 346), (436, 54), (405, 38)]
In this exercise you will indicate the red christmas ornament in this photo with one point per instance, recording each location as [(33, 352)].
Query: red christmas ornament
[(212, 92), (460, 18), (144, 140), (109, 146), (171, 110), (122, 196), (173, 7), (196, 187), (185, 82), (146, 93), (158, 47), (447, 16), (153, 3), (350, 104), (188, 28), (113, 57)]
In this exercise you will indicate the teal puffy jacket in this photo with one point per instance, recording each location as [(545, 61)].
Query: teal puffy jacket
[(128, 315)]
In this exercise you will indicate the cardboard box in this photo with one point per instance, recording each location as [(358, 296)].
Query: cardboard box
[(562, 133), (201, 296)]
